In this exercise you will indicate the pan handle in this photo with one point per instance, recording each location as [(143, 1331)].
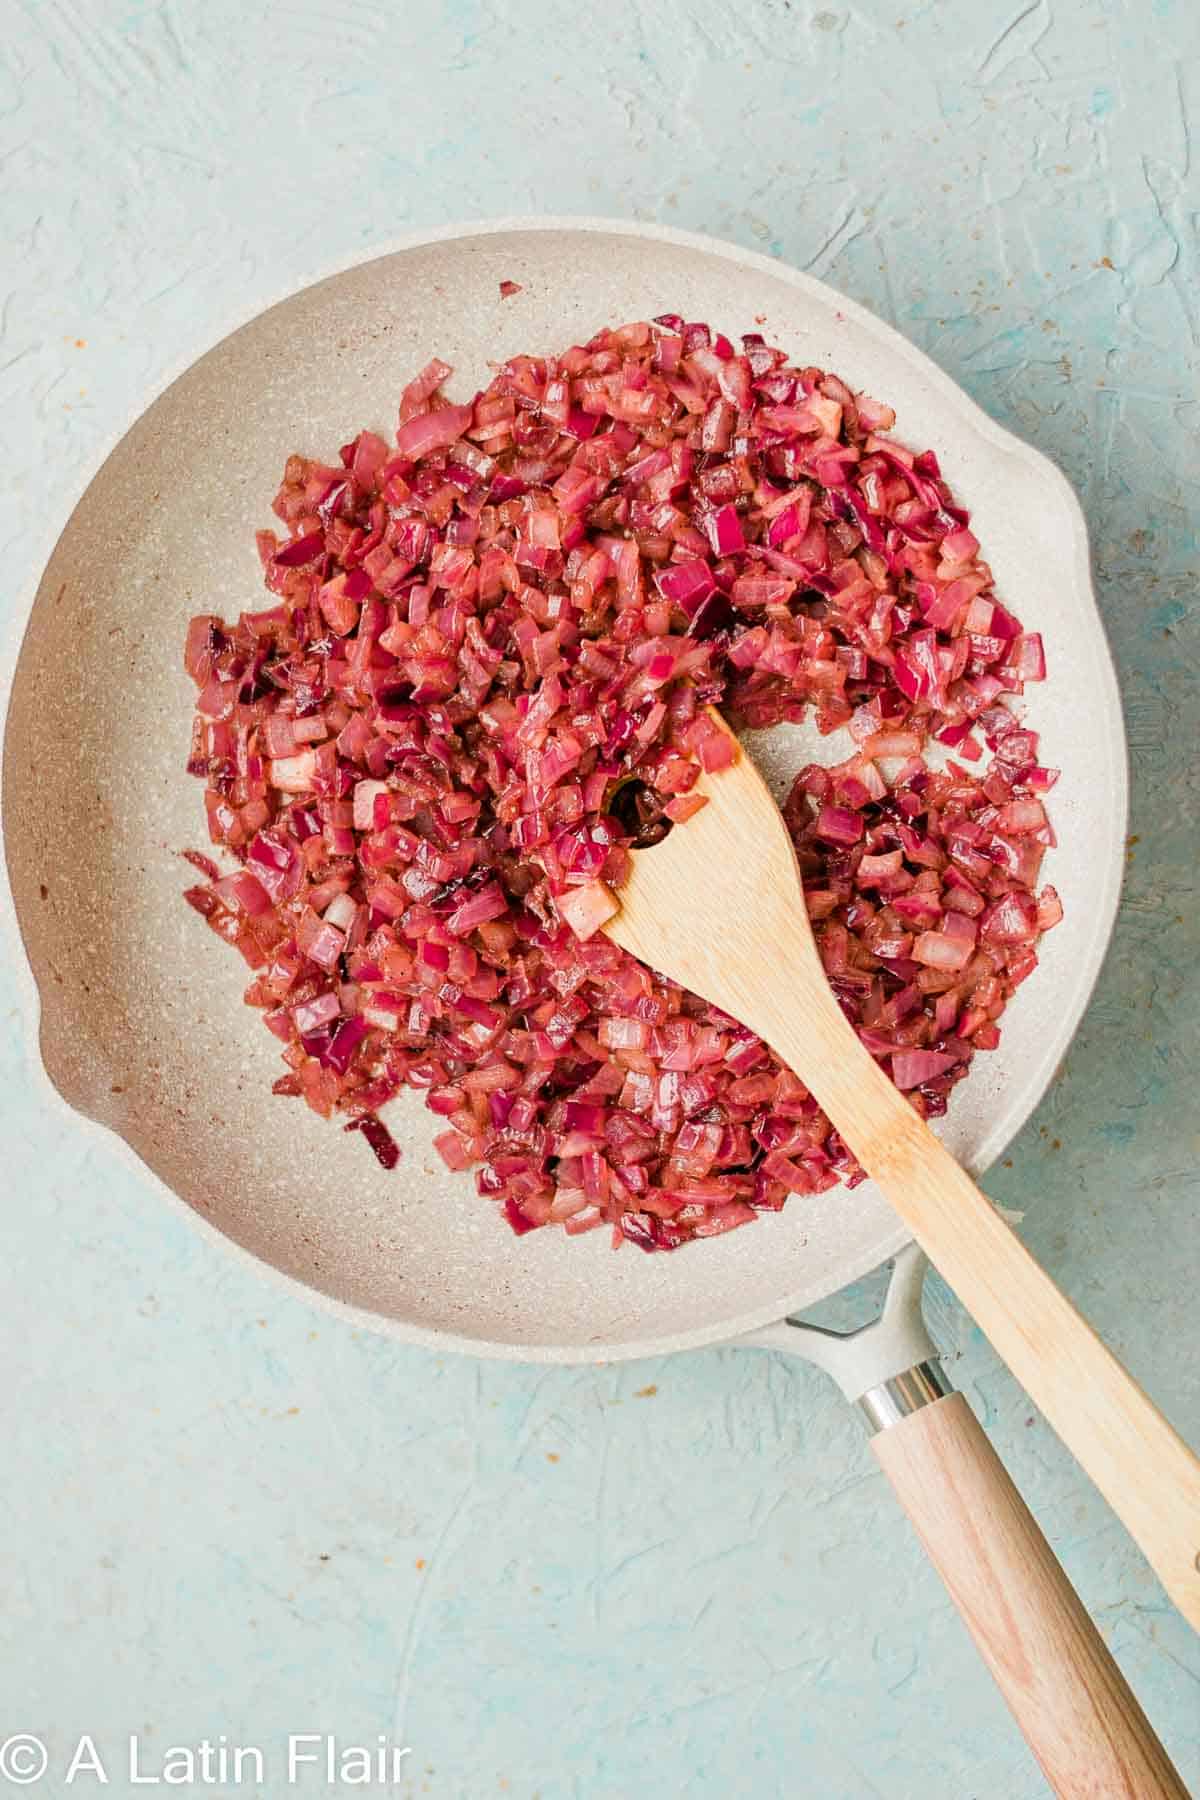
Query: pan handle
[(1055, 1671)]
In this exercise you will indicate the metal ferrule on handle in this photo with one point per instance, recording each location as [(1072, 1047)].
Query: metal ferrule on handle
[(901, 1395)]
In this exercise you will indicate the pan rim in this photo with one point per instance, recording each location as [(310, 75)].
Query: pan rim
[(1106, 899)]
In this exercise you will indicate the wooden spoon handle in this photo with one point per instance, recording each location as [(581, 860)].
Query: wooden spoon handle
[(1065, 1691), (1145, 1471)]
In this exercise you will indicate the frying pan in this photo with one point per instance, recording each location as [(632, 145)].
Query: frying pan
[(138, 1007)]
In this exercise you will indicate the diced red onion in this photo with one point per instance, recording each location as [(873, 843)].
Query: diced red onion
[(482, 676), (913, 1068)]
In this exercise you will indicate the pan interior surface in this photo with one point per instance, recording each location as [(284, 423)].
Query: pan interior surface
[(142, 1026)]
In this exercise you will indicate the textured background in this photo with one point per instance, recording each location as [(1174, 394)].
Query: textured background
[(222, 1511)]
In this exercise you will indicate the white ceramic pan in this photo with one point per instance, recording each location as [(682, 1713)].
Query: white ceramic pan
[(141, 1026)]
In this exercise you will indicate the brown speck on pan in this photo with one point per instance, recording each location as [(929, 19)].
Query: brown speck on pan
[(43, 890), (646, 1393), (508, 289)]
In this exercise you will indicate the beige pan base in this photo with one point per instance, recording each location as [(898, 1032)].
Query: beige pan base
[(141, 1024)]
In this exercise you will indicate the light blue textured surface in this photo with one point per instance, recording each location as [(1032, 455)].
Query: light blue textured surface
[(223, 1512)]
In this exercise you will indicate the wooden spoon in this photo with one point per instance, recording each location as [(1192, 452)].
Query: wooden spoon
[(718, 906)]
